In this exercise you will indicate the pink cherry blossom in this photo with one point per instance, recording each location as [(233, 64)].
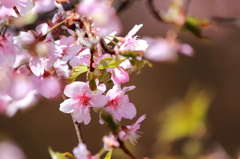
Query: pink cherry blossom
[(12, 3), (19, 86), (81, 100), (47, 85), (103, 16), (4, 101), (69, 50), (130, 132), (119, 75), (14, 105), (110, 142), (166, 49), (61, 69), (81, 152), (42, 6), (43, 52), (9, 150), (7, 51), (118, 104), (82, 58), (131, 42)]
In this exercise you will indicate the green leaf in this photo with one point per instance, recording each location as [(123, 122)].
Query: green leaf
[(109, 154), (56, 155), (110, 62), (76, 71), (194, 24), (186, 118)]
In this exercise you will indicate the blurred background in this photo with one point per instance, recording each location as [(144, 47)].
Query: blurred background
[(192, 105)]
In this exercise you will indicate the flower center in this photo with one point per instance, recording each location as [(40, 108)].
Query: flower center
[(84, 99), (115, 103)]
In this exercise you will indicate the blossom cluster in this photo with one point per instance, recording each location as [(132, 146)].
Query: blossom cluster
[(80, 38), (46, 61)]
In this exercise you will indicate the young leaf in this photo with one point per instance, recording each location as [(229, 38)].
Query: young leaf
[(110, 62), (194, 24), (76, 71), (109, 155), (56, 155)]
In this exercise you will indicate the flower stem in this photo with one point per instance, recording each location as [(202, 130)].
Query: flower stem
[(125, 150), (76, 125), (16, 11), (78, 130), (55, 26)]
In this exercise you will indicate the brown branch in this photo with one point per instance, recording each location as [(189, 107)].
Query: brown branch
[(92, 50), (78, 130), (120, 5), (105, 48), (125, 150), (76, 125), (154, 11), (16, 11)]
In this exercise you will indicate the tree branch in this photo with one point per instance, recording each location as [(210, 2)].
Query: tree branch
[(78, 130), (154, 11), (76, 125), (125, 150)]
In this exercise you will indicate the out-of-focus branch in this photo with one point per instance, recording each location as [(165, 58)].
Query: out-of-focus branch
[(230, 22), (153, 10), (120, 5), (187, 4), (125, 150), (105, 48)]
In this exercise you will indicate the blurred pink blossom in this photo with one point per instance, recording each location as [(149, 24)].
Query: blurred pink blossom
[(9, 150), (103, 16), (166, 49)]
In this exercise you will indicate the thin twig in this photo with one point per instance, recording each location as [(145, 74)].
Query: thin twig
[(78, 130), (154, 11), (125, 150), (121, 5), (55, 26), (76, 125), (105, 48), (16, 11), (92, 50)]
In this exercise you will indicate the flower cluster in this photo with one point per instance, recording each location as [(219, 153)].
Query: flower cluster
[(45, 59)]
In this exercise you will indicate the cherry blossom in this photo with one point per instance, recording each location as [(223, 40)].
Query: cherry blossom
[(131, 42), (12, 3), (69, 50), (130, 132), (119, 75), (81, 100), (110, 142), (81, 152), (7, 51), (43, 52), (9, 150), (103, 16), (118, 104), (14, 105), (166, 49)]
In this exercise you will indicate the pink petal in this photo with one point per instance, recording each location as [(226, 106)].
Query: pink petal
[(74, 88), (68, 105), (130, 111)]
